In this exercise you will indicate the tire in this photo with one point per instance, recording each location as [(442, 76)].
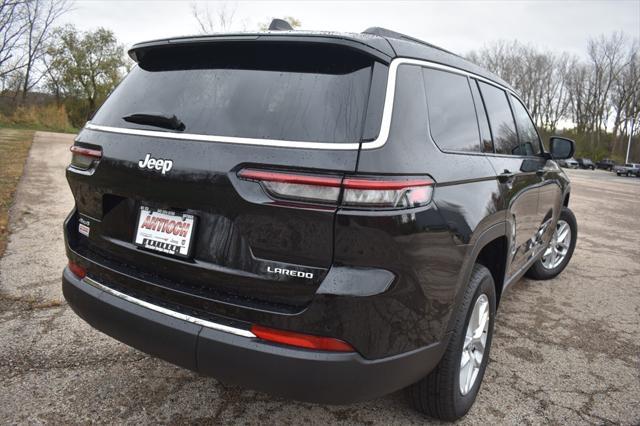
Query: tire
[(542, 270), (439, 395)]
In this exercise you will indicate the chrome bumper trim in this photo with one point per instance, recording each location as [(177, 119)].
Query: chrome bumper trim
[(169, 312)]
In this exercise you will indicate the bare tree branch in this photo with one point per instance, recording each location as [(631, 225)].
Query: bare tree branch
[(12, 26), (221, 19), (40, 16)]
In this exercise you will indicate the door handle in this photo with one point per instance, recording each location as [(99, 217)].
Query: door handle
[(506, 176)]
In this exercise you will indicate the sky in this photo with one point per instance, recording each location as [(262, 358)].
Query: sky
[(459, 26)]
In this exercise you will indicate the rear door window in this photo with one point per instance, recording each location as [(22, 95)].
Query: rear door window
[(452, 116), (529, 140), (310, 93), (503, 128)]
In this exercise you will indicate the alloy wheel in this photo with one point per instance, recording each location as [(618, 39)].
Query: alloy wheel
[(475, 342), (558, 246)]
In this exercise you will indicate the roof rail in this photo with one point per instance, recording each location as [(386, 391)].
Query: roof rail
[(383, 32), (280, 25)]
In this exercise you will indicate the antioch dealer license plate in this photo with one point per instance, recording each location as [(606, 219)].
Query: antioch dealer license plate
[(165, 231)]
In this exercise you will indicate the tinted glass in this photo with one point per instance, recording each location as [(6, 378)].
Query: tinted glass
[(505, 138), (375, 105), (287, 92), (408, 121), (452, 116), (483, 121), (529, 141)]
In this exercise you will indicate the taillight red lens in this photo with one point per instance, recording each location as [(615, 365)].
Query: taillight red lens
[(87, 152), (282, 177), (301, 340), (294, 186), (83, 158), (77, 270), (386, 193), (375, 184), (358, 192)]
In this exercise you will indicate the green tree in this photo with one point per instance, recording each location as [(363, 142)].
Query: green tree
[(84, 68)]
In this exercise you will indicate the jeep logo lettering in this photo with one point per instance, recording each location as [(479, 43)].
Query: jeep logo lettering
[(290, 272), (158, 164)]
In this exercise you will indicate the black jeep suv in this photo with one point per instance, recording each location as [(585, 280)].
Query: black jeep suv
[(606, 164), (328, 217)]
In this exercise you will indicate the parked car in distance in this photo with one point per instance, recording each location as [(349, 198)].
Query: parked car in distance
[(628, 169), (585, 163), (569, 163), (606, 164), (327, 217)]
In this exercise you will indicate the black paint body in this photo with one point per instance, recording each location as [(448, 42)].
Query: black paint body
[(385, 281)]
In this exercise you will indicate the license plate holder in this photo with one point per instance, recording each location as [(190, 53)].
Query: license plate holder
[(165, 231)]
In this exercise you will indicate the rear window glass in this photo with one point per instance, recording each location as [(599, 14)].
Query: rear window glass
[(310, 92), (452, 116)]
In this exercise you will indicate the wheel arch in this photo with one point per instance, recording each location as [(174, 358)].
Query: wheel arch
[(490, 250), (493, 256)]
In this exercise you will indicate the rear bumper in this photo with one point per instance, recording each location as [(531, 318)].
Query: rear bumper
[(234, 356)]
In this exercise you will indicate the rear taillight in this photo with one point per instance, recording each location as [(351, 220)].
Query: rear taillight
[(83, 158), (300, 187), (357, 192), (77, 270), (300, 340), (396, 193)]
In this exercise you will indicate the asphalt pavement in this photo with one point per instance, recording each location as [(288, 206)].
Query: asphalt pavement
[(565, 350)]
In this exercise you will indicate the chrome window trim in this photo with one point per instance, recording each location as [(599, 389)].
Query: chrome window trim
[(379, 142), (169, 312), (224, 139)]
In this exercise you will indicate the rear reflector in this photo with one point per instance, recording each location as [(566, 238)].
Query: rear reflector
[(301, 340), (77, 270), (358, 192)]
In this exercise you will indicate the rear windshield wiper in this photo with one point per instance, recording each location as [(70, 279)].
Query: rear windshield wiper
[(157, 120)]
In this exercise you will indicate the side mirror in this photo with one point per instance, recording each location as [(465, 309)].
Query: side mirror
[(561, 148)]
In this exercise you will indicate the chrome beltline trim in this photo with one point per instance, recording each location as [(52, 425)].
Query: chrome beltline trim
[(169, 312), (385, 125)]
